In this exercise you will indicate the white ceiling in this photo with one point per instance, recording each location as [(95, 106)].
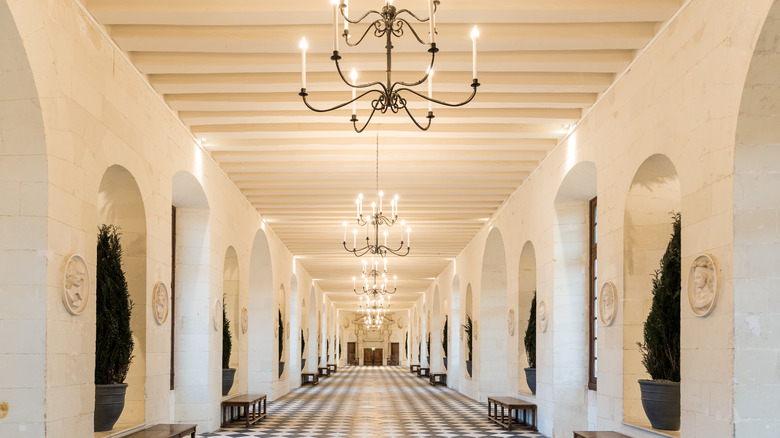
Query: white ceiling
[(231, 69)]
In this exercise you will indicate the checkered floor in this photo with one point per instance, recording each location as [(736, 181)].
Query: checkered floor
[(373, 402)]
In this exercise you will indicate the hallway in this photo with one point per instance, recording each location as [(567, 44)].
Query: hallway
[(374, 402)]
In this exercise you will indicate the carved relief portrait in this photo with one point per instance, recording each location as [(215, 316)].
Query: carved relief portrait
[(703, 285), (542, 315), (75, 285), (160, 300), (244, 320), (607, 303), (217, 317), (511, 322)]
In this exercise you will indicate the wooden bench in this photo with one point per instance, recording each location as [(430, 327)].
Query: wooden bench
[(413, 368), (510, 410), (598, 434), (243, 410), (166, 431), (332, 367), (438, 379), (423, 372), (309, 379), (323, 371)]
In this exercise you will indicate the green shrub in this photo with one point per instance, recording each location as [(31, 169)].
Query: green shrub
[(444, 336), (303, 343), (281, 336), (530, 335), (227, 341), (468, 327)]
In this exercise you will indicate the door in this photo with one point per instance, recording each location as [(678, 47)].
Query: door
[(368, 357), (394, 351), (378, 357), (352, 353)]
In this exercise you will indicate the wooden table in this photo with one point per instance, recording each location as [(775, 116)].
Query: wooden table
[(165, 431), (243, 410), (438, 379), (309, 379), (324, 371), (413, 368), (510, 408), (598, 434), (423, 372), (332, 367)]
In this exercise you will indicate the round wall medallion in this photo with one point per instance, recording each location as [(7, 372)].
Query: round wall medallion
[(75, 284), (244, 320), (703, 285), (160, 300), (608, 303), (511, 322), (217, 318), (542, 315)]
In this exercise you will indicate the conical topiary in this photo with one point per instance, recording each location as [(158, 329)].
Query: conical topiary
[(444, 336), (530, 335), (468, 327), (661, 347), (227, 341), (428, 345), (303, 343), (114, 338)]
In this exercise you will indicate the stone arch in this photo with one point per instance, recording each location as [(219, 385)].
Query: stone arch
[(437, 320), (120, 204), (491, 341), (302, 332), (23, 140), (468, 353), (568, 305), (230, 295), (312, 330), (455, 357), (654, 193), (526, 287), (194, 341), (262, 317), (282, 360), (293, 339)]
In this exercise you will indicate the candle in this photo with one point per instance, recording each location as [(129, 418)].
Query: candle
[(395, 283), (373, 209), (303, 45), (354, 238), (354, 76), (354, 285), (430, 21), (474, 35), (403, 224), (430, 89), (346, 15), (409, 237), (381, 194), (335, 25), (345, 232), (395, 214)]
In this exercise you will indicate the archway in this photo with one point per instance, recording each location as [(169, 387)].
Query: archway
[(193, 305), (756, 239), (230, 292), (120, 204), (281, 335), (304, 329), (312, 330), (468, 344), (261, 317), (526, 288), (454, 356), (491, 330), (654, 194), (293, 356)]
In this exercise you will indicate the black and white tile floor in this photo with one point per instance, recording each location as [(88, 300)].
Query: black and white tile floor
[(373, 402)]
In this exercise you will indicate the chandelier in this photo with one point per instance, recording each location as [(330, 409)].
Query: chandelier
[(390, 22), (373, 311), (374, 288), (373, 222)]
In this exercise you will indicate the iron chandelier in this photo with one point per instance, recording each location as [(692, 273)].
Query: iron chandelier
[(371, 284), (391, 23)]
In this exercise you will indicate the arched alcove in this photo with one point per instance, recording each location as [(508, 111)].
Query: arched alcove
[(491, 342), (437, 322), (261, 317), (197, 347), (756, 314), (312, 331), (293, 338), (653, 195), (444, 319), (468, 352), (230, 291), (120, 204), (281, 337), (568, 307), (526, 287), (303, 333), (455, 356)]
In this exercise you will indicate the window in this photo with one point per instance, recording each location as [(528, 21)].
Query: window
[(593, 296), (173, 289)]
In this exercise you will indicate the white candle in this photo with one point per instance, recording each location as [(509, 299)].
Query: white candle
[(381, 195), (354, 284), (354, 76), (403, 224), (346, 15), (395, 214), (303, 45), (430, 21), (357, 208), (385, 246), (395, 282), (354, 238), (430, 90), (360, 203), (373, 209), (345, 232), (474, 35), (335, 25), (409, 237)]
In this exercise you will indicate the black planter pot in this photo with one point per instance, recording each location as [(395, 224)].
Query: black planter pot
[(319, 360), (303, 364), (530, 378), (281, 369), (418, 358), (109, 404), (468, 367), (228, 376), (445, 363), (661, 400)]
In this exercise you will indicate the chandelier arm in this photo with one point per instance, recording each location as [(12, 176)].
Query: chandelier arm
[(429, 117), (336, 57), (409, 26), (474, 85), (362, 37), (433, 50), (397, 251), (359, 20), (370, 116), (342, 105), (407, 11)]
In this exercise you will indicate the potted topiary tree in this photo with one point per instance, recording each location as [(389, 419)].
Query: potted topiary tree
[(114, 338), (468, 327), (530, 347), (406, 345), (661, 347), (303, 349), (228, 374), (428, 349), (327, 351), (444, 341), (419, 351), (281, 344)]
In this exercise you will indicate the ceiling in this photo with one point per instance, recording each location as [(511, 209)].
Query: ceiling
[(231, 70)]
